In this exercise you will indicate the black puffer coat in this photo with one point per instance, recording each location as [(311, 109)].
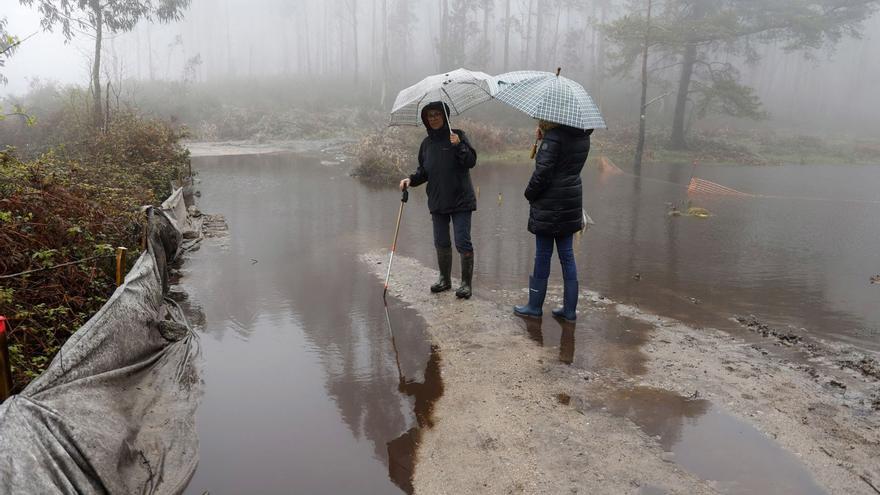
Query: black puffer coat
[(446, 169), (555, 192)]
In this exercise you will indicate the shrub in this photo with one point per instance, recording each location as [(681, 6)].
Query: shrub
[(75, 202), (387, 156)]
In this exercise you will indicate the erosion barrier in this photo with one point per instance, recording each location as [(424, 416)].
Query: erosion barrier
[(114, 411)]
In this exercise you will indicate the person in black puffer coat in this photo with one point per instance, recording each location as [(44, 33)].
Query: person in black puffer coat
[(555, 196), (445, 159)]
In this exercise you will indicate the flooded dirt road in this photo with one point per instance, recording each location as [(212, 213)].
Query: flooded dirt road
[(303, 392), (304, 389)]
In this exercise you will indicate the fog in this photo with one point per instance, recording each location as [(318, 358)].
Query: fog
[(829, 89)]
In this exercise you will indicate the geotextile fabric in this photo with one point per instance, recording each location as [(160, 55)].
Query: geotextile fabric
[(114, 412)]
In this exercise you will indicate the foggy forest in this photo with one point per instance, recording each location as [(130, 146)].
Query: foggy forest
[(439, 246)]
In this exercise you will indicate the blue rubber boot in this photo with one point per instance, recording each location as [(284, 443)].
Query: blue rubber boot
[(537, 291), (569, 301)]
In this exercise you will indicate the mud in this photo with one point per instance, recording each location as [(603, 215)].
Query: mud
[(638, 404), (241, 148)]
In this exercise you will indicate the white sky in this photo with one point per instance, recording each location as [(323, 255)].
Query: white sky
[(45, 55)]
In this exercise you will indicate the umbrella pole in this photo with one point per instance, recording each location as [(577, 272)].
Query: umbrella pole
[(448, 123), (403, 199)]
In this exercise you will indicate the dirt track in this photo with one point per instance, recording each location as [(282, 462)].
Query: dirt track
[(515, 418)]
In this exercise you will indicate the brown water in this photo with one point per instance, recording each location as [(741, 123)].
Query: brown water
[(800, 262), (711, 444), (304, 391)]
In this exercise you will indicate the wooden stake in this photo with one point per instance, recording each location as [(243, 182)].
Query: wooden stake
[(120, 265)]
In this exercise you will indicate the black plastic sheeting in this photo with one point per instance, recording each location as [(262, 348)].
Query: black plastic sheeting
[(115, 410)]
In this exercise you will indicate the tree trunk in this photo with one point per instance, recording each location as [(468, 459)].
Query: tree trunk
[(138, 48), (308, 35), (325, 42), (486, 45), (444, 35), (526, 53), (556, 37), (600, 54), (677, 140), (150, 69), (385, 61), (341, 25), (373, 57), (354, 21), (539, 34), (98, 112), (230, 67), (106, 121), (285, 47), (506, 35), (640, 146)]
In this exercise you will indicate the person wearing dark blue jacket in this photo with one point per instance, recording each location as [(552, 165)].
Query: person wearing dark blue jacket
[(555, 196), (445, 160)]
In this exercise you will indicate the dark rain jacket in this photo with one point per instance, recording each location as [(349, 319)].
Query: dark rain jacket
[(555, 192), (446, 169)]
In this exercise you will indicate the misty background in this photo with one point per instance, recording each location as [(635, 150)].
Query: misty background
[(830, 90)]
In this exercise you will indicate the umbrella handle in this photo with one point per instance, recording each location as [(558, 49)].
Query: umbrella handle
[(534, 150), (404, 197)]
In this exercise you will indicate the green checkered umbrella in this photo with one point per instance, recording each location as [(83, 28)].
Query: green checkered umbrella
[(547, 96), (460, 89)]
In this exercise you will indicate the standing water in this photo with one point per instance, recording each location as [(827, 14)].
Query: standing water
[(303, 392)]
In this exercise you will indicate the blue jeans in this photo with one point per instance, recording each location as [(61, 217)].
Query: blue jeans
[(544, 251), (461, 225)]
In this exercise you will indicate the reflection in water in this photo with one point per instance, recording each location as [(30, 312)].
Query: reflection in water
[(606, 341), (710, 443), (303, 388), (566, 336), (566, 343), (657, 412), (402, 450)]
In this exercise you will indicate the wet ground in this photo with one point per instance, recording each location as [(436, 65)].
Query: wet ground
[(711, 444), (306, 390)]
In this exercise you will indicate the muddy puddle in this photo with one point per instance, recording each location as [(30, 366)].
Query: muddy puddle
[(599, 340), (695, 434), (306, 390), (709, 443)]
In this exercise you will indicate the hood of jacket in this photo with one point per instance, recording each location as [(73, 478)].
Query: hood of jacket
[(443, 107)]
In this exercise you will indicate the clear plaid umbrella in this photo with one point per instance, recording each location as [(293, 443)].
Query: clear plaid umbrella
[(461, 89), (547, 96)]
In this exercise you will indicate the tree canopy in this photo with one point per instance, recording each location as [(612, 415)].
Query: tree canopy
[(698, 39)]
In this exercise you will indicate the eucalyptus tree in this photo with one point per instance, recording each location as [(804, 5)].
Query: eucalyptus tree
[(95, 18)]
